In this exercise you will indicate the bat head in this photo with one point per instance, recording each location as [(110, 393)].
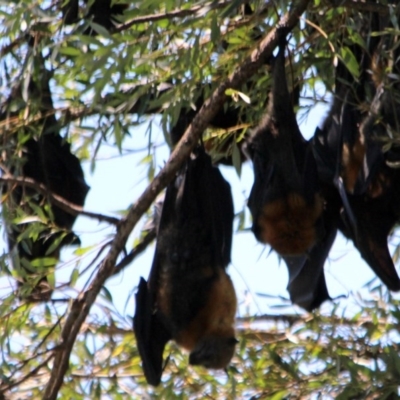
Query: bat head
[(213, 352)]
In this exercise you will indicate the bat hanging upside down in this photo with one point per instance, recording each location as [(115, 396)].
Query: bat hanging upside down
[(284, 200), (189, 297)]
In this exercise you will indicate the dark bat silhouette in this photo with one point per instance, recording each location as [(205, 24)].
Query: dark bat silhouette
[(337, 170), (102, 12), (350, 159), (189, 297), (47, 159), (307, 286), (284, 200), (344, 154), (345, 165), (226, 118), (376, 210)]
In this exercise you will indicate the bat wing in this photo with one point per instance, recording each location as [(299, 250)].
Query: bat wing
[(150, 331), (63, 174), (363, 152), (204, 202), (307, 287), (219, 193), (151, 334), (375, 221)]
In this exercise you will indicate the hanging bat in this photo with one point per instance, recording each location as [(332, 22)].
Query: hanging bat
[(285, 198), (47, 159), (189, 297), (345, 156), (284, 201), (350, 159), (376, 210)]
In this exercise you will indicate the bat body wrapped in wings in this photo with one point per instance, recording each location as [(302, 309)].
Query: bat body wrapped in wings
[(189, 297), (285, 200), (46, 158)]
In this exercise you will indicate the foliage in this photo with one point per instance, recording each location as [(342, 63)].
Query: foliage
[(160, 59)]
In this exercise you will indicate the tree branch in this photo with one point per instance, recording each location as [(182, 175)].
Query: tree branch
[(139, 248), (179, 13), (57, 200), (81, 306), (31, 373)]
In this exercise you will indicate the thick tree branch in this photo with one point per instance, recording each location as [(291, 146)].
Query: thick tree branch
[(57, 200), (81, 306)]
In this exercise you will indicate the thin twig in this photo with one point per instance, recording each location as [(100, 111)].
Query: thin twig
[(25, 362), (139, 248), (33, 372), (178, 13)]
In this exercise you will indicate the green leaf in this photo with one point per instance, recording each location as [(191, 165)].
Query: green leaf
[(107, 294), (74, 277), (279, 395), (215, 31), (44, 262), (51, 279), (349, 60), (70, 51)]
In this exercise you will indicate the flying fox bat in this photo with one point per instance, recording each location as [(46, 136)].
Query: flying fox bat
[(376, 211), (47, 159), (285, 198), (344, 154), (284, 201), (189, 297), (350, 159)]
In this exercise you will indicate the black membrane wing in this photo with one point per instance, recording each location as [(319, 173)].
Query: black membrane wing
[(151, 334), (150, 331), (307, 286), (375, 219)]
